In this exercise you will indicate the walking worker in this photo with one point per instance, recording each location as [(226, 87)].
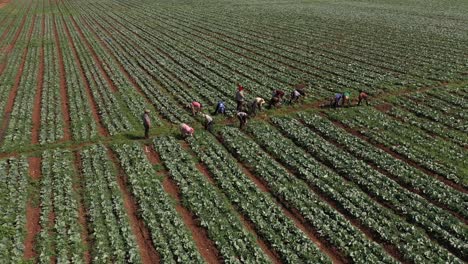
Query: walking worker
[(220, 108), (208, 121), (362, 96), (346, 98), (240, 97), (196, 107), (257, 103), (146, 122), (242, 116), (186, 130)]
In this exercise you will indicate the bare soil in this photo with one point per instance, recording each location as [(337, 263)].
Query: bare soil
[(148, 252), (205, 246), (36, 114), (33, 212)]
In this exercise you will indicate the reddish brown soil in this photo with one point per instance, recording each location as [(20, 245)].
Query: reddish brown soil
[(99, 63), (205, 246), (14, 90), (400, 157), (152, 155), (78, 187), (33, 212), (384, 107), (63, 88), (92, 102), (274, 257), (4, 3), (148, 253), (36, 114)]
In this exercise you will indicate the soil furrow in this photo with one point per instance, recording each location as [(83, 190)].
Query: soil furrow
[(148, 253), (204, 244), (33, 212), (78, 186), (36, 114)]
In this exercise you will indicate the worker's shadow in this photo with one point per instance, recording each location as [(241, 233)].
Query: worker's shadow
[(134, 137)]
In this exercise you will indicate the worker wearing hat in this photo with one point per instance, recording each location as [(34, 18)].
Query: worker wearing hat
[(146, 122)]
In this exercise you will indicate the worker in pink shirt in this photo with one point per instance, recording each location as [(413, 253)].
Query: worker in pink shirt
[(186, 130), (196, 107)]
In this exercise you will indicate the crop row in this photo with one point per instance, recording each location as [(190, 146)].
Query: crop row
[(110, 111), (112, 236), (234, 242), (407, 141), (83, 125), (51, 112), (432, 219), (18, 132), (13, 197), (60, 235), (170, 237), (403, 172), (297, 195), (270, 222)]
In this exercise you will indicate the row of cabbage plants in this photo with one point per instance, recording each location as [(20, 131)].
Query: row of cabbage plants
[(407, 141), (381, 220), (403, 172), (234, 242), (51, 113), (439, 223), (83, 126), (60, 235), (270, 222), (13, 197), (297, 195), (113, 240), (18, 132), (170, 237), (135, 64), (110, 111)]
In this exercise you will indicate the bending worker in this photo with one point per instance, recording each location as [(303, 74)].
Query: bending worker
[(362, 96), (186, 130), (242, 116), (257, 103), (196, 107), (220, 108)]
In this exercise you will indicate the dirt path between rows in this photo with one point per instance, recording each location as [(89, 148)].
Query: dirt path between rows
[(63, 87), (147, 250), (33, 212), (78, 187), (4, 3), (204, 244), (36, 114)]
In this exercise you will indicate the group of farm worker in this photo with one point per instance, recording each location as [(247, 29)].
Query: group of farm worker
[(244, 110), (344, 99)]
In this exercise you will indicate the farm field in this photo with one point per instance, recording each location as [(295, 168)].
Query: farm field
[(383, 182)]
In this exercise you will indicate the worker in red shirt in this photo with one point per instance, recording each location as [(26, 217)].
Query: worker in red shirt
[(276, 99), (186, 130), (196, 107), (362, 96)]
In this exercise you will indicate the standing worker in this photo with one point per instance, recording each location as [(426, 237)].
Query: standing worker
[(146, 122), (220, 108), (208, 121), (242, 116), (196, 107), (186, 130), (240, 97), (362, 96), (257, 103)]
